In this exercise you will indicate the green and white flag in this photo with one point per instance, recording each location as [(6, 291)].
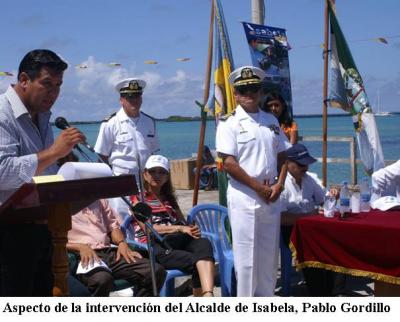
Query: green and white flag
[(346, 91)]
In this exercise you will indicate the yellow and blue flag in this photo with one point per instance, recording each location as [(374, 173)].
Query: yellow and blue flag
[(221, 100)]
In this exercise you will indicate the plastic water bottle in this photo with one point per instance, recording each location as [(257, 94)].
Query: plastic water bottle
[(329, 204), (344, 198), (365, 194)]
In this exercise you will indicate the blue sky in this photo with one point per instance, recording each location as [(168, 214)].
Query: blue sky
[(129, 32)]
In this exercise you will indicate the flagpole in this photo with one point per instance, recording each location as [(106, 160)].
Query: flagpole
[(324, 99), (257, 11), (199, 160)]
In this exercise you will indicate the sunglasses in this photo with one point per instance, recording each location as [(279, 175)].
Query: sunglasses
[(131, 96), (248, 88), (158, 172)]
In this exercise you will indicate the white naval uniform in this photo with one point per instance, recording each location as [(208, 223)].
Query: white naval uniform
[(386, 181), (255, 224), (123, 139)]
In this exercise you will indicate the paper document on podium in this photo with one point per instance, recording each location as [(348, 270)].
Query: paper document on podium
[(84, 170), (45, 179), (94, 265)]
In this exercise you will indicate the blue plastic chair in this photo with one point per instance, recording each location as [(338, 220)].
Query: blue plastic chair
[(228, 282), (212, 220), (286, 267), (168, 288)]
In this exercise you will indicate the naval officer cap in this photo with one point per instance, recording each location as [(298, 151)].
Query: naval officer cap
[(246, 75), (130, 86)]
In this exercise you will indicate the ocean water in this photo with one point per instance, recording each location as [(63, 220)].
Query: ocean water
[(178, 140)]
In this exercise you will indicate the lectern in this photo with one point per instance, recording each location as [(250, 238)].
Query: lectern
[(56, 202)]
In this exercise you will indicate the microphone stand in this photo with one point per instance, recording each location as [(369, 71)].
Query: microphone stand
[(83, 153), (148, 226)]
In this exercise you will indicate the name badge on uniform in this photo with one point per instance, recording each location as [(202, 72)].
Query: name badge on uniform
[(274, 128)]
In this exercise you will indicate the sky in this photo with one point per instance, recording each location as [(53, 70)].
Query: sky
[(96, 33)]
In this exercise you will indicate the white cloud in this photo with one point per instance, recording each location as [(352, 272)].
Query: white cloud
[(88, 93), (5, 81)]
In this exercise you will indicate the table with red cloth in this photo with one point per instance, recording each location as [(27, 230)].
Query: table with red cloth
[(364, 244)]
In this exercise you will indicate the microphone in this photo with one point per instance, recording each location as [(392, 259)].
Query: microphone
[(143, 212), (63, 124)]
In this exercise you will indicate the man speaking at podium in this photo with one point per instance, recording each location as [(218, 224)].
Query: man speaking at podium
[(27, 149)]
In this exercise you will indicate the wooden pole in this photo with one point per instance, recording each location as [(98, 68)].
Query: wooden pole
[(199, 162), (324, 99)]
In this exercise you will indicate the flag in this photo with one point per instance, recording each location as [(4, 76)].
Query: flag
[(221, 100), (346, 91)]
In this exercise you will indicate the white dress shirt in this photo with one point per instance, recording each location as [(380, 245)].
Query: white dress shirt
[(254, 143), (301, 200), (123, 139)]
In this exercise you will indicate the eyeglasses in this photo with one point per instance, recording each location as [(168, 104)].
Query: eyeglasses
[(248, 88), (158, 172)]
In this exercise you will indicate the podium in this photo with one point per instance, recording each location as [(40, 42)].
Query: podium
[(54, 203)]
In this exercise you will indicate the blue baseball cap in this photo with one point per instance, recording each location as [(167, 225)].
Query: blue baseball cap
[(299, 154)]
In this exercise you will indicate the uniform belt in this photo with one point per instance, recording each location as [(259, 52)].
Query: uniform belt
[(123, 170)]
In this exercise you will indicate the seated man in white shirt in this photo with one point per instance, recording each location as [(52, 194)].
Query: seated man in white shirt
[(302, 195), (386, 181), (303, 192)]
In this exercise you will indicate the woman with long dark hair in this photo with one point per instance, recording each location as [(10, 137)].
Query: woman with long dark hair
[(190, 253), (276, 105)]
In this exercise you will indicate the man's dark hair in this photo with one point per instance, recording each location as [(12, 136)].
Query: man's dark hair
[(36, 59)]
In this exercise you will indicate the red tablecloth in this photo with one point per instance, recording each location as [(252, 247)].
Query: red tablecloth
[(365, 244)]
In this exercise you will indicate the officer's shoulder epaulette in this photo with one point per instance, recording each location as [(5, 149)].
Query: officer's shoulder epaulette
[(148, 115), (226, 116), (109, 117)]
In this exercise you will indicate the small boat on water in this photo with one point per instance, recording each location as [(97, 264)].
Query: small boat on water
[(383, 114), (379, 113)]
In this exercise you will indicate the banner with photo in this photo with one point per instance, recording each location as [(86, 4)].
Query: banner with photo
[(269, 51)]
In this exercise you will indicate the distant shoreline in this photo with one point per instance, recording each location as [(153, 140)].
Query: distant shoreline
[(210, 118)]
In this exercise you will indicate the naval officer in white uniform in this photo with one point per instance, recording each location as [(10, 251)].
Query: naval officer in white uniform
[(252, 145), (127, 138)]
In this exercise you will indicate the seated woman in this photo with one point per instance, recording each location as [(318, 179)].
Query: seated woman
[(190, 253)]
